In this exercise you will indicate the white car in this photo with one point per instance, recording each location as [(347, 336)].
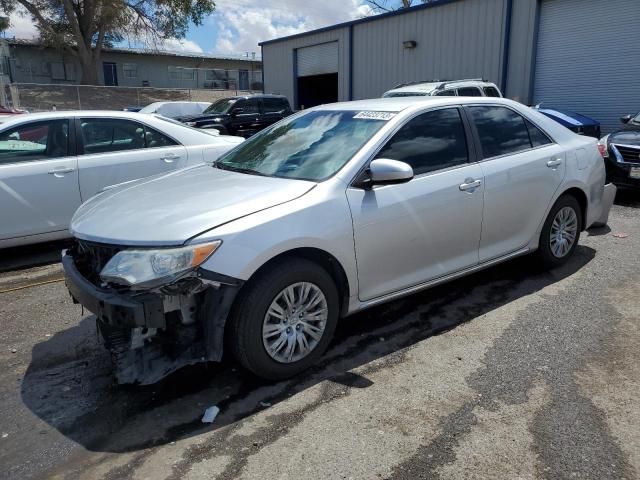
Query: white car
[(176, 109), (472, 87), (52, 162)]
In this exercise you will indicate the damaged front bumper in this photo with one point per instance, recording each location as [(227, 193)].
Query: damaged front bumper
[(153, 333)]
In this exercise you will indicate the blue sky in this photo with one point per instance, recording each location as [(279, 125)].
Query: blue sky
[(237, 26)]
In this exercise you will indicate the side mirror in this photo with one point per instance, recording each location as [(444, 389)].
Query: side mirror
[(236, 111), (384, 171), (626, 118)]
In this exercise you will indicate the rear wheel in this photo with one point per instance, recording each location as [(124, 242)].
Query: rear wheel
[(561, 232), (285, 319)]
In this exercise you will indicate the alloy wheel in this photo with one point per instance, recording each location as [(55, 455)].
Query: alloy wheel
[(295, 322), (564, 231)]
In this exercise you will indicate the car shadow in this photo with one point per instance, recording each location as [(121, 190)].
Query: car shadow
[(29, 256), (628, 197), (69, 383)]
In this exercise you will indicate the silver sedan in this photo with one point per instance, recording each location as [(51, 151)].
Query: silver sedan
[(328, 212), (51, 162)]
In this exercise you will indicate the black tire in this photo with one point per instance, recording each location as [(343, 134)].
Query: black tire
[(244, 331), (545, 254)]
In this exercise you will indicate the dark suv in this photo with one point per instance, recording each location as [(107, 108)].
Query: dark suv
[(243, 115)]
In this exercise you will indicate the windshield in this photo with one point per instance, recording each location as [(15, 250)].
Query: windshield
[(221, 106), (312, 146), (636, 119)]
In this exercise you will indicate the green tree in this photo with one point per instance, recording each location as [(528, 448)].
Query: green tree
[(383, 6), (84, 27)]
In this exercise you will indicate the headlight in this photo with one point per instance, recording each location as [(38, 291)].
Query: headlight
[(149, 268), (191, 124), (603, 146)]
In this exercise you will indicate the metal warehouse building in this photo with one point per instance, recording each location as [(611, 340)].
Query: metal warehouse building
[(580, 55)]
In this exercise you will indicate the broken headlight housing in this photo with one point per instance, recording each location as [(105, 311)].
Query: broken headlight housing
[(148, 268)]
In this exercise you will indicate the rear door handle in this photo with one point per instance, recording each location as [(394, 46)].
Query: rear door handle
[(170, 158), (59, 172), (554, 163), (470, 185)]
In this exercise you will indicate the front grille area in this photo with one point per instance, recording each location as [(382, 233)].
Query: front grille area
[(90, 258), (628, 153)]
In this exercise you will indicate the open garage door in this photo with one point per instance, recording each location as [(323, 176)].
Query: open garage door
[(588, 58), (317, 75)]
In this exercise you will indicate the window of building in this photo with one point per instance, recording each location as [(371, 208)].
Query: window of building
[(57, 71), (130, 70), (188, 73), (428, 142), (501, 130), (469, 92), (173, 73), (35, 141)]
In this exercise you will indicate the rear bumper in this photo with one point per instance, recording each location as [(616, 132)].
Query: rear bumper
[(608, 196)]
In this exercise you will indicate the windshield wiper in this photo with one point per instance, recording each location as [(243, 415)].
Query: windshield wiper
[(249, 171)]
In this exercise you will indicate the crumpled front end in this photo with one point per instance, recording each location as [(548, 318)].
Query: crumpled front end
[(151, 333)]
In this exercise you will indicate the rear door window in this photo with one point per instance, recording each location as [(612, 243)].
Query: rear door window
[(446, 93), (537, 136), (251, 105), (431, 141), (35, 141), (491, 92), (273, 105), (106, 135), (469, 92), (501, 130)]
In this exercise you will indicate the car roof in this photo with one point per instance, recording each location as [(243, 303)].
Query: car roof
[(31, 117), (398, 104), (428, 87)]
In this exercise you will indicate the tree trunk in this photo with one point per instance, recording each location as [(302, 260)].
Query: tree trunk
[(89, 66)]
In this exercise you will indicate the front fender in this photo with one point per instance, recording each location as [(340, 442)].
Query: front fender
[(307, 222)]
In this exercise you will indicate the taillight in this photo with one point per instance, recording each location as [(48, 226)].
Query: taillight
[(603, 150)]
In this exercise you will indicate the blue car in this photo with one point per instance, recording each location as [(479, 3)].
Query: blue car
[(573, 121)]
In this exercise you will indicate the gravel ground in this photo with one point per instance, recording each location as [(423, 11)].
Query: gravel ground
[(509, 373)]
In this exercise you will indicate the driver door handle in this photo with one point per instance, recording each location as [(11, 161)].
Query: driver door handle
[(470, 184)]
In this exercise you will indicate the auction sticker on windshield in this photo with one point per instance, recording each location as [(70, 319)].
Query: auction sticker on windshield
[(375, 115)]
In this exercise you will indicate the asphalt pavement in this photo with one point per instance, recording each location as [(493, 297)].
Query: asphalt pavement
[(511, 373)]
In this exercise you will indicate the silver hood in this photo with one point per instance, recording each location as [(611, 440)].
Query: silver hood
[(172, 208)]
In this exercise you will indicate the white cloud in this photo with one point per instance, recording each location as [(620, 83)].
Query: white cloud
[(242, 24), (21, 26), (180, 45)]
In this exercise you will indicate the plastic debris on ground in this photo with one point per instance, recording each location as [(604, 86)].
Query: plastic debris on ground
[(210, 414), (620, 235)]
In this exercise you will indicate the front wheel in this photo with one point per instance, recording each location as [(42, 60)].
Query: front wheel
[(284, 320), (561, 232)]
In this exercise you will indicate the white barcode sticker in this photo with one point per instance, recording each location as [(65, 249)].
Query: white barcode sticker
[(375, 115)]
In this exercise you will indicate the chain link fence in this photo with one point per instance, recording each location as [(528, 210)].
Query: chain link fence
[(42, 97)]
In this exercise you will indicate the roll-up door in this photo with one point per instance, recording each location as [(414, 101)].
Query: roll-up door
[(318, 59), (588, 58)]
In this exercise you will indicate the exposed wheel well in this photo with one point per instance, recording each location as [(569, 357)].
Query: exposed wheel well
[(323, 259), (581, 197)]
